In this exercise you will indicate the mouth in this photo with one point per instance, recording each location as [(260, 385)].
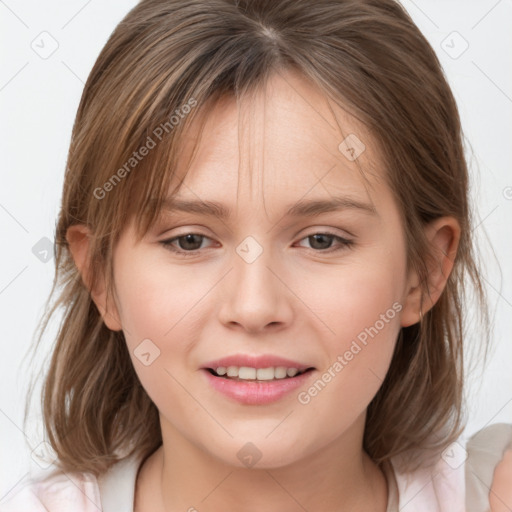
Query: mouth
[(260, 384), (256, 379)]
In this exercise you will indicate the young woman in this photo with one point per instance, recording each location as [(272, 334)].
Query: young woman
[(263, 248)]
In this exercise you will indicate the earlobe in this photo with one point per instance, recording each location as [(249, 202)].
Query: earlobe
[(78, 238), (443, 235)]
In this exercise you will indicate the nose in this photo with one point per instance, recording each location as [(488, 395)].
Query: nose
[(254, 295)]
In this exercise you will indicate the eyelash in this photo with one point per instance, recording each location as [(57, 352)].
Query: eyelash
[(345, 244)]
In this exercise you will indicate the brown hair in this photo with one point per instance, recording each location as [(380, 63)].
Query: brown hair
[(366, 55)]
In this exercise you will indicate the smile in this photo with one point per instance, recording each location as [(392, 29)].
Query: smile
[(256, 392)]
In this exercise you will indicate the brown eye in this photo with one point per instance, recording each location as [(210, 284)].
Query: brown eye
[(323, 242), (190, 242), (187, 244)]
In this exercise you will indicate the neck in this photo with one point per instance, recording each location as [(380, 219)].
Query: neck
[(338, 477)]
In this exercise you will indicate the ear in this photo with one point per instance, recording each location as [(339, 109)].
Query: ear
[(443, 235), (78, 238)]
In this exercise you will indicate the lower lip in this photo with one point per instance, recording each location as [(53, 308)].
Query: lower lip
[(257, 393)]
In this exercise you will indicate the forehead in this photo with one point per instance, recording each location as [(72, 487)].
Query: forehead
[(282, 143)]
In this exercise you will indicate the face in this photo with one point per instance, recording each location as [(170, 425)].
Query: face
[(320, 291)]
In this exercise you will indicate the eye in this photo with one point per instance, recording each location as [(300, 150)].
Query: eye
[(322, 242), (188, 244)]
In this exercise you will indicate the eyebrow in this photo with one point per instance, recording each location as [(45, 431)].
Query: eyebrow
[(302, 208)]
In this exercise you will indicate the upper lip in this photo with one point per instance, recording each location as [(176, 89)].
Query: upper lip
[(253, 361)]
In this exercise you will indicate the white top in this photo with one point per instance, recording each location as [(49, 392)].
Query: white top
[(459, 482)]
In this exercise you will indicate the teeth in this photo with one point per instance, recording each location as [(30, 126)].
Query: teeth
[(265, 374), (232, 371), (245, 373), (280, 372), (248, 373)]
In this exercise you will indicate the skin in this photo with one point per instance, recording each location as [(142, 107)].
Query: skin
[(295, 300), (500, 495)]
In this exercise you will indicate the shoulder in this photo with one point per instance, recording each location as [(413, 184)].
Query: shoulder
[(500, 497), (53, 490), (461, 476), (489, 467)]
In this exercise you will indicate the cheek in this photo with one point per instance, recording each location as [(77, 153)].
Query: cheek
[(362, 312), (168, 306), (353, 299), (159, 302), (158, 306), (371, 321), (361, 350), (358, 360)]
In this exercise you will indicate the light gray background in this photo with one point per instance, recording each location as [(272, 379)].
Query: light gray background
[(39, 97)]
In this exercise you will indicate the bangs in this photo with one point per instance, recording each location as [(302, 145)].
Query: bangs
[(166, 163), (161, 173), (172, 143)]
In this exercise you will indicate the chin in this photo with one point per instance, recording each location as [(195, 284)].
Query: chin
[(261, 454)]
